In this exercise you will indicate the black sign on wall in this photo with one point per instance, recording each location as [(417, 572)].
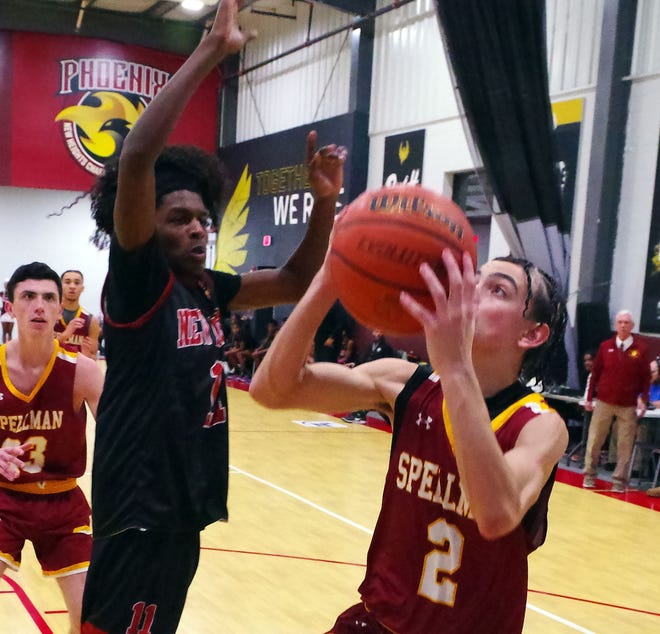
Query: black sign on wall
[(650, 321), (271, 199), (404, 158)]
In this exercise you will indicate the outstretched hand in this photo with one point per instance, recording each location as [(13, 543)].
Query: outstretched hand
[(449, 329), (325, 167), (10, 463), (225, 27)]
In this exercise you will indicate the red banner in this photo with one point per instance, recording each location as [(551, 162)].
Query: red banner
[(73, 103)]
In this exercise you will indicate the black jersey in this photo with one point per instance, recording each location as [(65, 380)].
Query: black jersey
[(161, 449)]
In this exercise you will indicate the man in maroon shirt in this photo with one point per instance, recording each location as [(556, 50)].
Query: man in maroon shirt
[(621, 377)]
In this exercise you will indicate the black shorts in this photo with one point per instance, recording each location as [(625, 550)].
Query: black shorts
[(138, 581)]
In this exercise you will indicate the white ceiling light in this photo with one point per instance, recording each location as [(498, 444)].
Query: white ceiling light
[(192, 5)]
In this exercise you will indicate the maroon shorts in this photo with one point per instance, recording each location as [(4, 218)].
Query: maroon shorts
[(356, 620), (57, 524)]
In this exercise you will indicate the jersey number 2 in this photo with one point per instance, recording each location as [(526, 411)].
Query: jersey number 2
[(218, 412), (446, 559)]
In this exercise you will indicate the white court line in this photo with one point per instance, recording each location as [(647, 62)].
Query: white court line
[(554, 617), (295, 496), (364, 529)]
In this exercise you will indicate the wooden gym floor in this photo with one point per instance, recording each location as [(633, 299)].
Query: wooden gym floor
[(305, 492)]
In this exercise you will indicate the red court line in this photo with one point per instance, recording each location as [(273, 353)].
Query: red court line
[(349, 563), (29, 606), (632, 496), (592, 602), (299, 557)]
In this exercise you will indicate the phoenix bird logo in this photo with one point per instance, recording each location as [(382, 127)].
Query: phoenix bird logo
[(230, 244), (102, 120), (404, 151)]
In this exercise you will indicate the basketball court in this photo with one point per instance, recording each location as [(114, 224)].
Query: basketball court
[(305, 492)]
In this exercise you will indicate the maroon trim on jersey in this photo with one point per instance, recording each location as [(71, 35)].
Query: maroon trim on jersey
[(143, 319)]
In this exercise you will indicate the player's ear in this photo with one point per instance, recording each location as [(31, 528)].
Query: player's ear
[(535, 336)]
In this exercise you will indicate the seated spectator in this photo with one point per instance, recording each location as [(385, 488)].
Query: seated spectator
[(654, 390), (347, 353), (327, 340), (654, 399), (238, 350), (379, 349), (262, 348)]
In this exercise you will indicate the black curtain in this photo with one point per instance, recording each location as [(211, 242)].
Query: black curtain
[(497, 52)]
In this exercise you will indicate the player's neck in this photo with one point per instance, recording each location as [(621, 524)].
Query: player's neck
[(495, 375), (69, 304), (32, 352)]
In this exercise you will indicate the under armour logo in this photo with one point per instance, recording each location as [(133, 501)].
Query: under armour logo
[(426, 422)]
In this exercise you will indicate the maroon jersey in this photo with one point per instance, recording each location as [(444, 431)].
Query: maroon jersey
[(47, 419), (620, 377), (74, 342), (428, 568)]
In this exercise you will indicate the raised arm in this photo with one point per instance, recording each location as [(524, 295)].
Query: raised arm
[(285, 380), (135, 206), (501, 487), (287, 284)]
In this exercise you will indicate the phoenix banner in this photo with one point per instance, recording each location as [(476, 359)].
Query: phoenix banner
[(72, 104)]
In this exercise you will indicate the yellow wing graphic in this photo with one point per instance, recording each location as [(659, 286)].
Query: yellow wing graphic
[(96, 122), (404, 151), (229, 246)]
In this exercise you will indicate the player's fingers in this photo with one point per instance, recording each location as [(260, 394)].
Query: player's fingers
[(414, 308), (436, 289), (311, 146)]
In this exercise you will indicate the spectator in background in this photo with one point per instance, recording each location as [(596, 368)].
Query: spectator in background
[(238, 351), (327, 340), (587, 365), (262, 348), (654, 389), (6, 318), (348, 352), (378, 349), (654, 400), (621, 376)]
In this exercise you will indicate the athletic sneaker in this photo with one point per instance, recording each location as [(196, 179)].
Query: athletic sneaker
[(618, 487), (654, 492), (356, 419), (589, 482)]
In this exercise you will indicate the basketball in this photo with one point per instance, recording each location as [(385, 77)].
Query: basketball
[(379, 241)]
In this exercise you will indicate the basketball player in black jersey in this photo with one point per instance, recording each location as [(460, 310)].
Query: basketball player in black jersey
[(473, 450), (161, 453)]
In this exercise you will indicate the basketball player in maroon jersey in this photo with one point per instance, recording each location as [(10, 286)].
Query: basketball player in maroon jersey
[(76, 329), (43, 391), (473, 450)]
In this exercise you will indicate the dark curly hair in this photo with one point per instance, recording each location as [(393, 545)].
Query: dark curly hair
[(179, 167), (544, 303)]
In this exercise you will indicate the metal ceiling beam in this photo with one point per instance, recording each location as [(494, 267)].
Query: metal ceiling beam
[(48, 17)]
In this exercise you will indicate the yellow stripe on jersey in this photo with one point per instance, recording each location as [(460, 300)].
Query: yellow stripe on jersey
[(58, 351), (533, 400), (44, 487)]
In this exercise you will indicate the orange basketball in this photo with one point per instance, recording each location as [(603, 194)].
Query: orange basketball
[(379, 241)]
